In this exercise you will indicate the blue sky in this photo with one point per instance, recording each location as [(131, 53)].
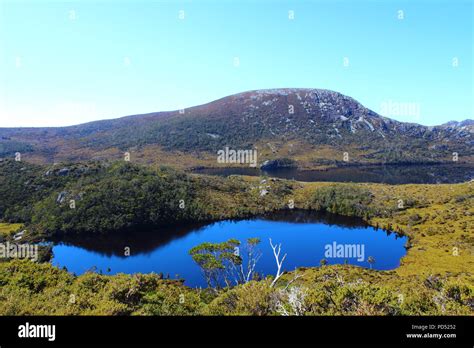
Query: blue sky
[(69, 62)]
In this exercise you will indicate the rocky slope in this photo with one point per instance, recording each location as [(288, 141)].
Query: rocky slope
[(308, 125)]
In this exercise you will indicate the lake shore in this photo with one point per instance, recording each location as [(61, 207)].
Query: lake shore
[(436, 218)]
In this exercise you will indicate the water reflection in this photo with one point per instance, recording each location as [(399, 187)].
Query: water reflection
[(304, 235), (388, 174)]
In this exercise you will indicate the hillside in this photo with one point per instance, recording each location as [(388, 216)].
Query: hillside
[(312, 126)]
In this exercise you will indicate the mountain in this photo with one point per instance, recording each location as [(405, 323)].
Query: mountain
[(311, 126), (466, 125)]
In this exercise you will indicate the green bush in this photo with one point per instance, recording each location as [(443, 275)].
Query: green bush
[(343, 199)]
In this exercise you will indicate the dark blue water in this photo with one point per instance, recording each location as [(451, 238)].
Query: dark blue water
[(304, 237), (388, 174)]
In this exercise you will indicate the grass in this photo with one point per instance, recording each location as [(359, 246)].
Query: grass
[(439, 223), (439, 220), (7, 229)]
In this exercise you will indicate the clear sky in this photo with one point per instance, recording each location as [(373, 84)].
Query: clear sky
[(69, 62)]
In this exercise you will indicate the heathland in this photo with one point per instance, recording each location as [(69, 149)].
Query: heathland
[(435, 276)]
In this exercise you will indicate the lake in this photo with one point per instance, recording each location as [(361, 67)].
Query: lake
[(388, 174), (306, 237)]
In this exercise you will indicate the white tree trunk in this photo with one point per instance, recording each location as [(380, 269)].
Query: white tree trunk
[(276, 252)]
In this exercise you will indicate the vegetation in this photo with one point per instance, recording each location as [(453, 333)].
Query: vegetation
[(120, 197), (318, 129), (223, 263), (6, 229), (23, 184), (27, 288), (344, 200), (9, 147), (217, 260), (435, 276)]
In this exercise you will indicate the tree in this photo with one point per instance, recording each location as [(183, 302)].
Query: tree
[(227, 261), (253, 254), (371, 261), (276, 253), (216, 260), (323, 262), (343, 199)]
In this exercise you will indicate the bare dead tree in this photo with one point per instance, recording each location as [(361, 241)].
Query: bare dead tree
[(292, 301), (276, 252)]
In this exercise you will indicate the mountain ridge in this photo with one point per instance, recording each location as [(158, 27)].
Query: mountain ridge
[(316, 120), (259, 91)]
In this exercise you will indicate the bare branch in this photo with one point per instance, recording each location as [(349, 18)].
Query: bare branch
[(295, 277), (278, 261)]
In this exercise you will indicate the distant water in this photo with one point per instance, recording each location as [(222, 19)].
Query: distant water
[(389, 174), (304, 236)]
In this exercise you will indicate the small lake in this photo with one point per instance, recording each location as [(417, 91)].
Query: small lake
[(388, 174), (305, 236)]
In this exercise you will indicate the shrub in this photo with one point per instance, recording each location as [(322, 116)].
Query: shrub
[(343, 199)]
